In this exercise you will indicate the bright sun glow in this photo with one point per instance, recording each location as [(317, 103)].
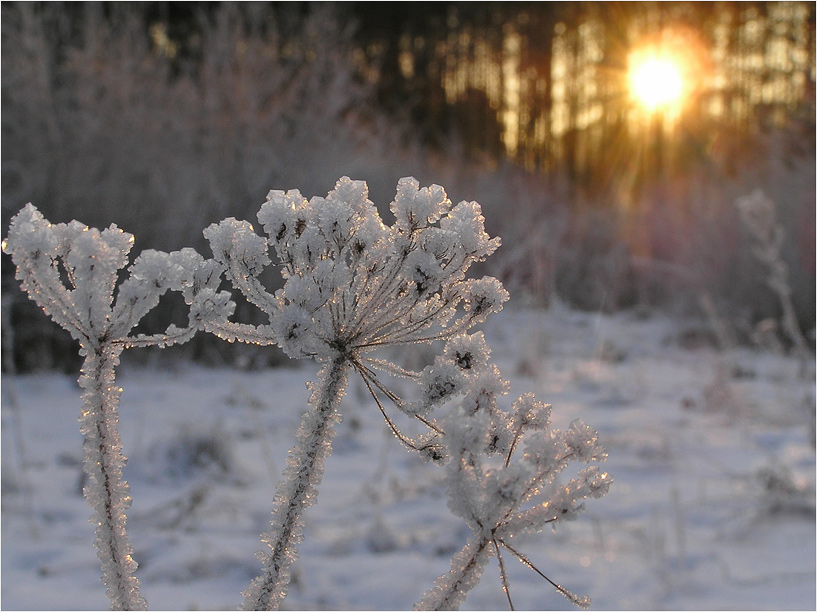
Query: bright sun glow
[(656, 82)]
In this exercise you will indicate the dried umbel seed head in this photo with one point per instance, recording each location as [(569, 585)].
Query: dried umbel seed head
[(87, 301), (353, 283)]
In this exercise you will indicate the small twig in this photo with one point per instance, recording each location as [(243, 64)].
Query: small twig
[(582, 602), (503, 575), (10, 384), (400, 435)]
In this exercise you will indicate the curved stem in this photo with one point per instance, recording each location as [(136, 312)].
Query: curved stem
[(298, 490), (106, 492)]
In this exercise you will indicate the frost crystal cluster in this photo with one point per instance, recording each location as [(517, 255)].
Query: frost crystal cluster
[(489, 494), (351, 285)]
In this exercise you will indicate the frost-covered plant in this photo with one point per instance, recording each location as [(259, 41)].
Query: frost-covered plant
[(506, 497), (71, 271), (352, 285), (757, 211)]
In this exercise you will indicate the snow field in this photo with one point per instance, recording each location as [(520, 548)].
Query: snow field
[(712, 505)]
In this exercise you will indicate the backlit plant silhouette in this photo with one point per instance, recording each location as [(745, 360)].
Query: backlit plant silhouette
[(757, 211)]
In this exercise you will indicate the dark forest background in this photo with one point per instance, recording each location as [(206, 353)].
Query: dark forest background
[(164, 117)]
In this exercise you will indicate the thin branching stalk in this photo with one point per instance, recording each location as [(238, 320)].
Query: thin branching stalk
[(581, 601), (299, 489), (10, 388), (758, 213), (368, 379), (503, 575)]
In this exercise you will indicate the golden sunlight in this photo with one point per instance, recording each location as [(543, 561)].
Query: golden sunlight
[(655, 81)]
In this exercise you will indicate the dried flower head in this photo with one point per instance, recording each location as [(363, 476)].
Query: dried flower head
[(352, 283)]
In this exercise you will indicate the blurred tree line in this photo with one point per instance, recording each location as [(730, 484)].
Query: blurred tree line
[(544, 83), (163, 117)]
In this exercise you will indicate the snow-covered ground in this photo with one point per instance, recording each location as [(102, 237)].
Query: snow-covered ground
[(711, 451)]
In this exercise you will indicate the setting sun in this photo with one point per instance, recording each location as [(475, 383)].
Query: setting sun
[(656, 82)]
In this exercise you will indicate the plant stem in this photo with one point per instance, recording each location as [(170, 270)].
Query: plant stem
[(450, 589), (299, 489), (106, 492)]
